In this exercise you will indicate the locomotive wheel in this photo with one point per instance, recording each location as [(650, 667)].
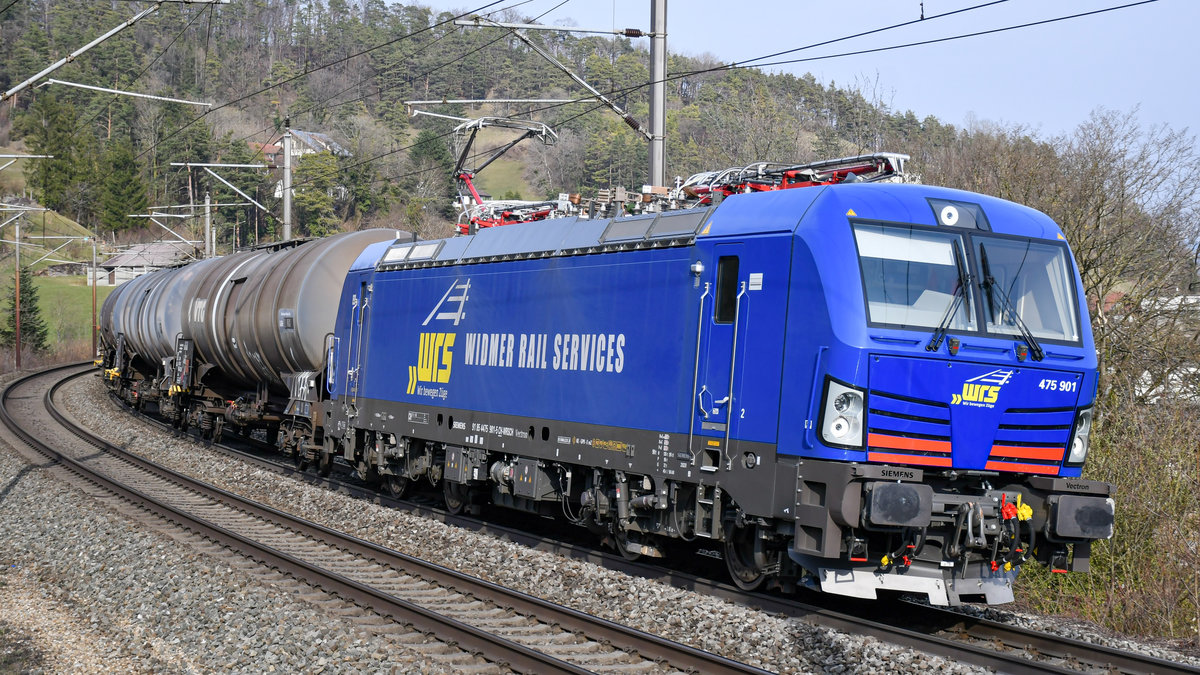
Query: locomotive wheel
[(744, 557), (457, 496), (396, 486), (620, 541)]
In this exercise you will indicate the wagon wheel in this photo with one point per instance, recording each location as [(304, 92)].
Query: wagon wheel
[(396, 486)]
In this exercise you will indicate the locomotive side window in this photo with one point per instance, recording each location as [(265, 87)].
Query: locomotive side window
[(727, 287)]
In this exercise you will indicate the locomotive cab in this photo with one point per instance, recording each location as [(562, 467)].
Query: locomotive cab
[(956, 380)]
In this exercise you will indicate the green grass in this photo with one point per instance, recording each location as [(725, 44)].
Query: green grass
[(12, 179), (505, 174), (65, 304)]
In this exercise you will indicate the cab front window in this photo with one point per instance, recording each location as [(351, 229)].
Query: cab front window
[(1030, 280), (913, 277)]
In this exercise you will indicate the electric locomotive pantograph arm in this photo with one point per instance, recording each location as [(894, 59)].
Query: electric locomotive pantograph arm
[(492, 213)]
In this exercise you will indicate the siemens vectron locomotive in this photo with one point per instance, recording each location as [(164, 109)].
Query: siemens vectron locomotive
[(854, 387)]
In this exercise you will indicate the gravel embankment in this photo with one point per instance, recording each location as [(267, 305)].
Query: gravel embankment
[(82, 590)]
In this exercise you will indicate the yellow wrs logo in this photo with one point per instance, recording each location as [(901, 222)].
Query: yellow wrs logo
[(982, 391), (434, 360), (978, 393)]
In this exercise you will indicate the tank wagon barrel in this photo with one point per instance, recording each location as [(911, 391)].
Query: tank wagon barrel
[(244, 320), (258, 315)]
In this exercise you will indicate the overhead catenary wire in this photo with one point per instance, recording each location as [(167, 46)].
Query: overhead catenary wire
[(428, 72), (749, 63), (316, 105), (950, 38), (162, 52)]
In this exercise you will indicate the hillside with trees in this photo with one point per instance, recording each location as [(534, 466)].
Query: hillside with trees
[(1125, 194)]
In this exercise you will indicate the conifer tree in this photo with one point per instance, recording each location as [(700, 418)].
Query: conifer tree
[(430, 181), (316, 181), (124, 193), (49, 126), (34, 335)]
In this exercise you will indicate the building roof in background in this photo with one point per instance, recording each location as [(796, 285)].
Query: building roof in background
[(154, 254), (319, 142)]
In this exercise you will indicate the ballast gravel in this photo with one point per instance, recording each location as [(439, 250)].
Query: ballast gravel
[(150, 600), (83, 590)]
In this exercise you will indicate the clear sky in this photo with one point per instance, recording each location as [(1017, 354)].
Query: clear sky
[(1048, 77)]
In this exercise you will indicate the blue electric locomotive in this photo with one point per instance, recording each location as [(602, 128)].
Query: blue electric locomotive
[(856, 387)]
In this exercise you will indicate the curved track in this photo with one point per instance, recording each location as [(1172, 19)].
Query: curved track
[(938, 631), (502, 626)]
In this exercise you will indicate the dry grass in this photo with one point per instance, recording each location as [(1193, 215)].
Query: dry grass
[(1146, 580)]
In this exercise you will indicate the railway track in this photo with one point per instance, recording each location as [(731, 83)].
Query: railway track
[(946, 633), (504, 627)]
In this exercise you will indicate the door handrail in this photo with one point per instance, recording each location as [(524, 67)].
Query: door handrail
[(696, 376)]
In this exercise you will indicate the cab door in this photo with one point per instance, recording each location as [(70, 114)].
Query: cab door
[(360, 332), (722, 323)]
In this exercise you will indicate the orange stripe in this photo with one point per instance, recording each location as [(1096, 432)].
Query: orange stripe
[(1025, 452), (901, 443), (907, 459), (1022, 468)]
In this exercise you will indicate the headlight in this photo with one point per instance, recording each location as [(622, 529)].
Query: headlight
[(842, 415), (1079, 440)]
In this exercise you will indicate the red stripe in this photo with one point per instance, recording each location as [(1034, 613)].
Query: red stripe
[(1022, 468), (1025, 452), (907, 459), (901, 443)]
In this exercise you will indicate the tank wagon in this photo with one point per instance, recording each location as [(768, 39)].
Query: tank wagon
[(855, 387), (213, 342)]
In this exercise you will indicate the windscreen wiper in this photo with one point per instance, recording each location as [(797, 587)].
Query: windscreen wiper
[(989, 284), (960, 292)]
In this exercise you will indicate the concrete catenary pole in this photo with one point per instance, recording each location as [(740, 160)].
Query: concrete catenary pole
[(287, 182), (208, 233), (658, 92)]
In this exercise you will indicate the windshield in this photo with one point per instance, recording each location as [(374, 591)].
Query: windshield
[(911, 276), (1037, 281)]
